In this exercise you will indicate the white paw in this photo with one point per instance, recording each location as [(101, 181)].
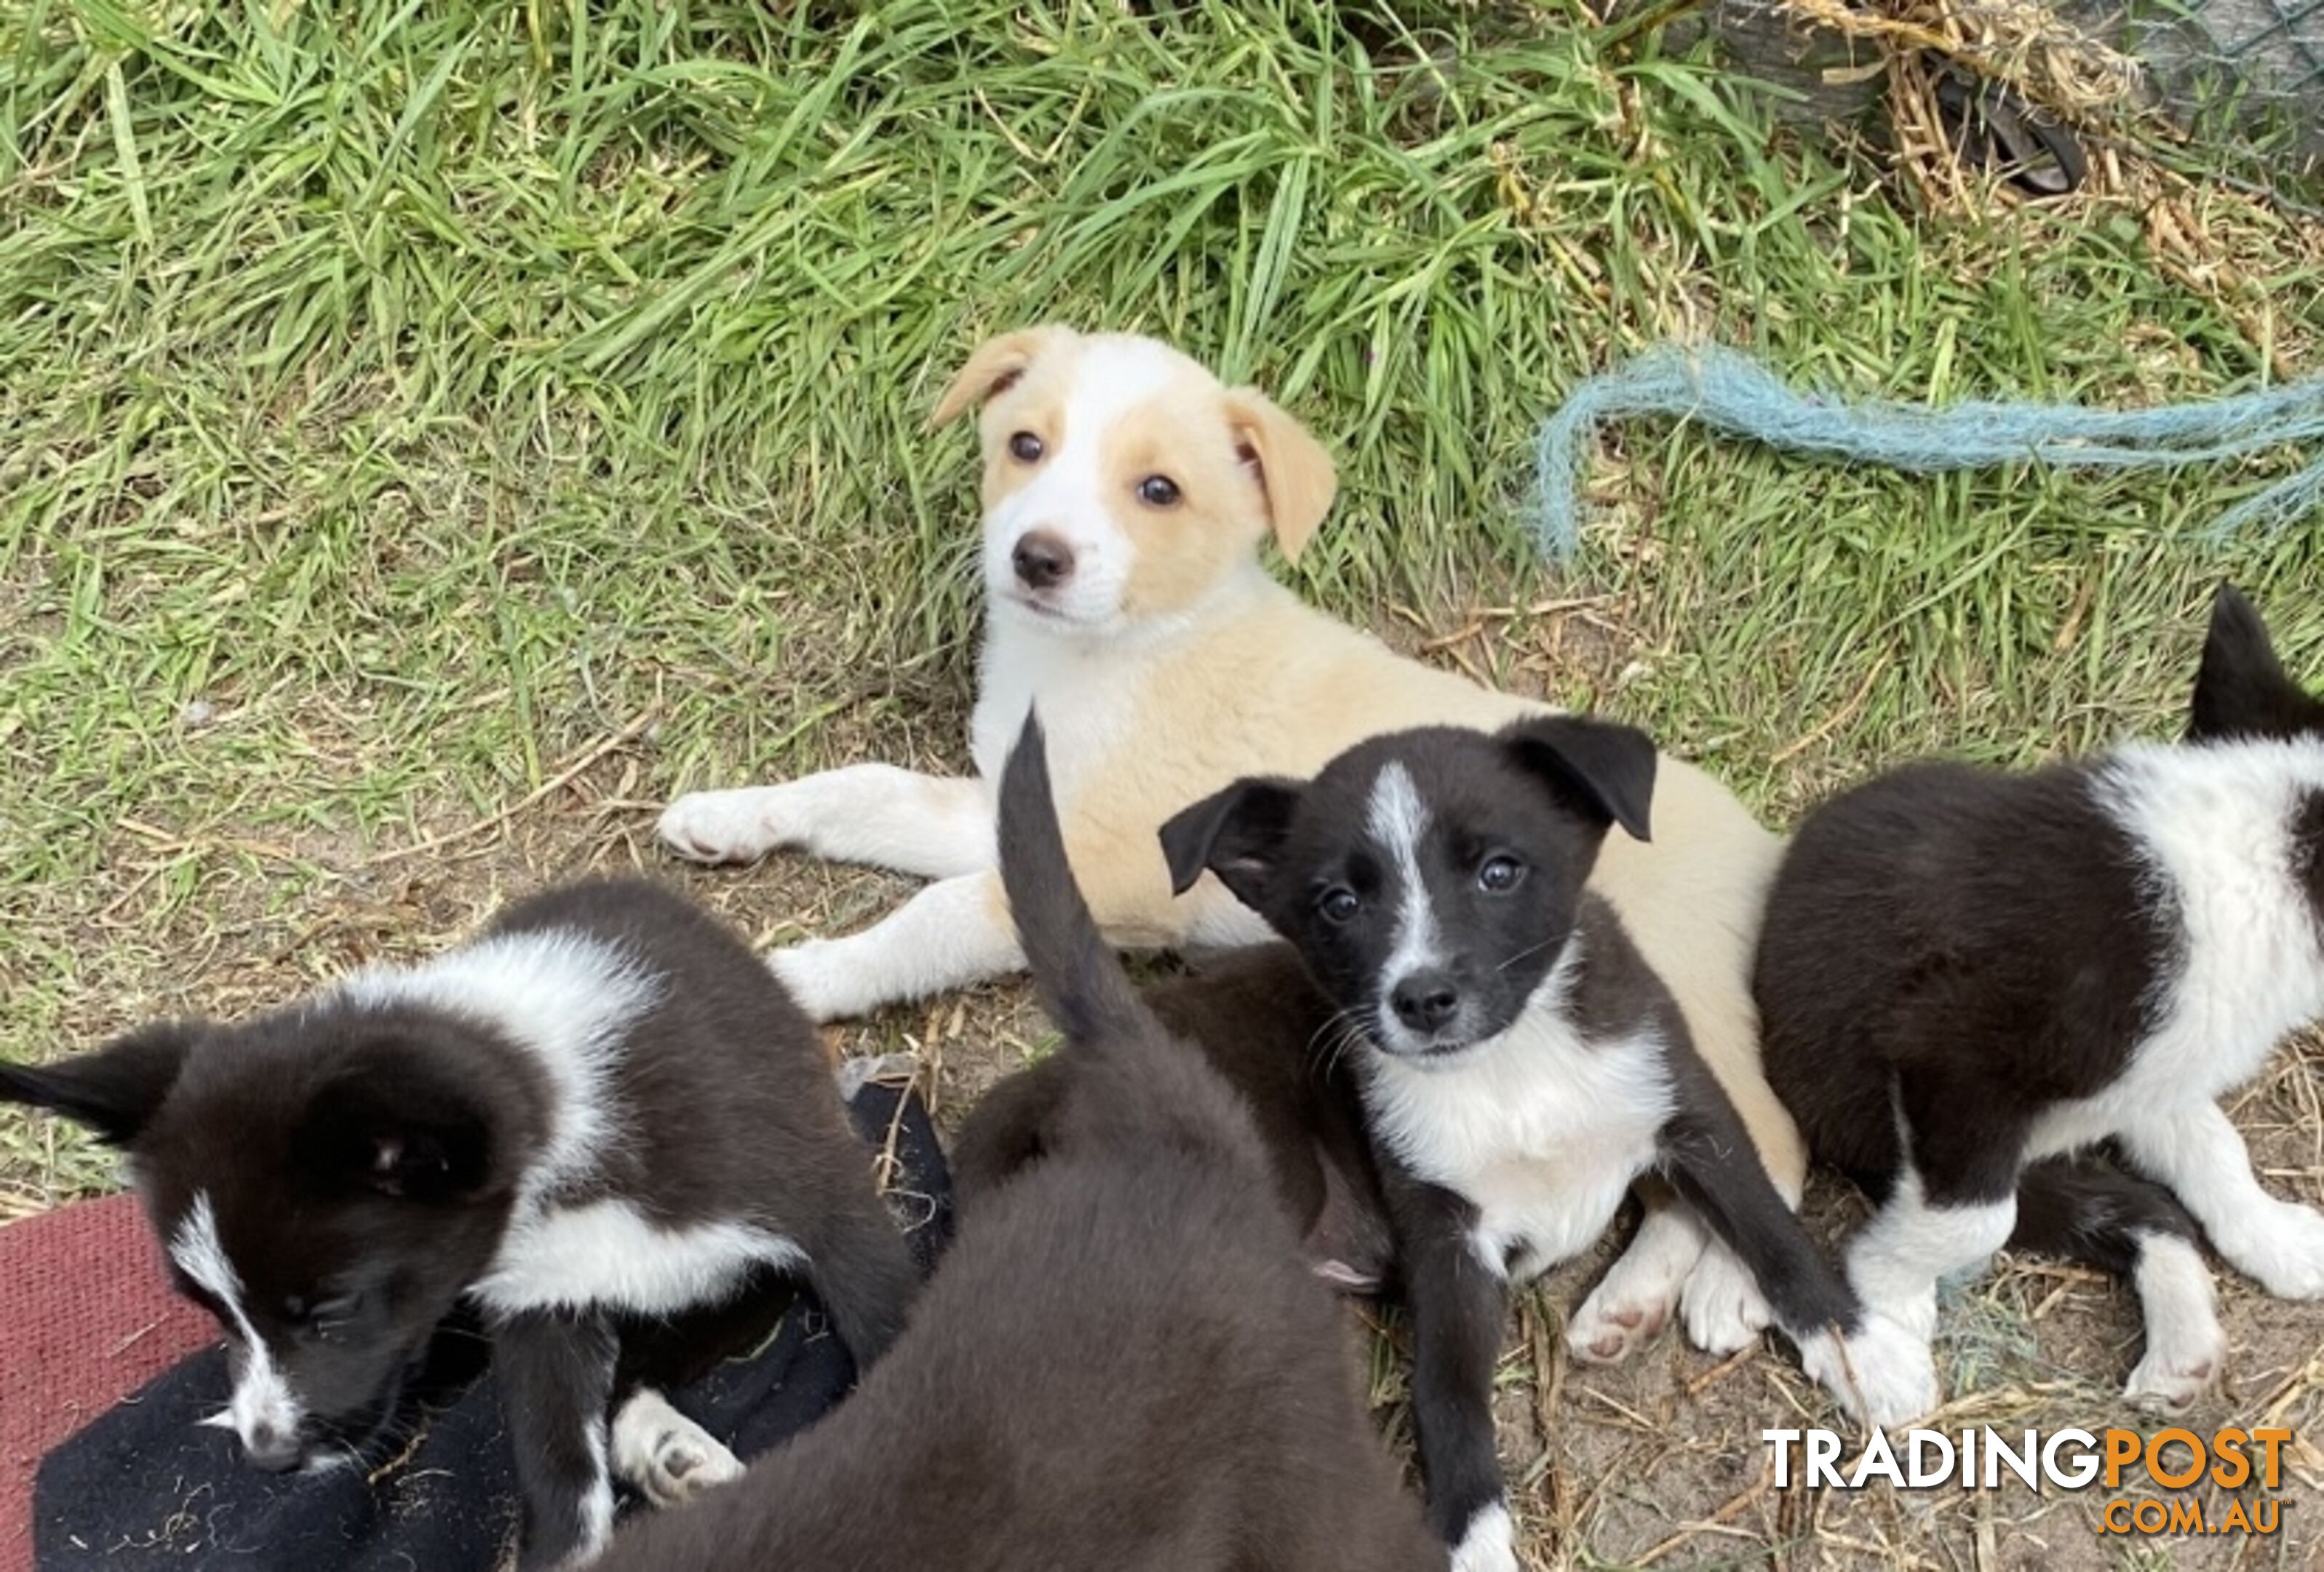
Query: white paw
[(667, 1456), (1722, 1305), (739, 825), (2172, 1383), (1883, 1376), (1489, 1545), (2283, 1247), (821, 981), (2186, 1350), (1618, 1319)]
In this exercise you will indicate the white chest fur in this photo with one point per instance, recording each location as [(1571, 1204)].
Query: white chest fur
[(1089, 689), (1541, 1131), (2214, 826)]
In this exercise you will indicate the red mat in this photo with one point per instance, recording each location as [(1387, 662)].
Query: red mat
[(87, 1317)]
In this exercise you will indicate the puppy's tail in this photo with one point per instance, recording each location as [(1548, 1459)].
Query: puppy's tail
[(1080, 979)]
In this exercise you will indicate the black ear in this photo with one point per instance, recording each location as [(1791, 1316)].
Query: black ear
[(1236, 833), (2241, 689), (1606, 769), (114, 1090), (401, 1130)]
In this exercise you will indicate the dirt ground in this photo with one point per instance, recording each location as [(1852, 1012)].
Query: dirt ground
[(1658, 1463)]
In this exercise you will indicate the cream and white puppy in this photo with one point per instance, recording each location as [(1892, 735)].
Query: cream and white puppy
[(1126, 494)]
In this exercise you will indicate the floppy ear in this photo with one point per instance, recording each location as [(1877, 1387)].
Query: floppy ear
[(991, 366), (2241, 689), (400, 1129), (1292, 469), (1236, 833), (1607, 768), (114, 1090)]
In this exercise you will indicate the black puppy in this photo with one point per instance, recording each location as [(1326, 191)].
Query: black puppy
[(1121, 1361), (602, 1117), (1969, 980), (1522, 1067), (1267, 1029)]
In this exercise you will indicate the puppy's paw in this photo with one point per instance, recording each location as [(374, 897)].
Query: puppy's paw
[(1617, 1320), (2169, 1383), (1725, 1311), (1489, 1544), (667, 1456), (1884, 1375), (822, 978), (2283, 1247), (2186, 1350), (740, 825)]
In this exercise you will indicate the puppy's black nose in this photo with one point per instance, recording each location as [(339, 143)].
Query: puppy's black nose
[(271, 1450), (1042, 559), (1426, 1000)]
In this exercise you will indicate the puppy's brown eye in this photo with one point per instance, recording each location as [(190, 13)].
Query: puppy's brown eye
[(1026, 448), (1500, 876), (1337, 904), (1158, 491)]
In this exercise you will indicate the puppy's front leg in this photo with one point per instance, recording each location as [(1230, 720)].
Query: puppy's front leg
[(954, 932), (930, 826), (1879, 1368), (2199, 1154), (1457, 1301), (555, 1373)]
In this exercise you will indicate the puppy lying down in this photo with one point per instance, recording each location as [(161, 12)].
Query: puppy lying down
[(1126, 495), (2009, 1006), (1121, 1362)]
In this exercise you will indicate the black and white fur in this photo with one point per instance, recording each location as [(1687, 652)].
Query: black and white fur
[(1122, 1363), (1975, 987), (598, 1125), (1521, 1066)]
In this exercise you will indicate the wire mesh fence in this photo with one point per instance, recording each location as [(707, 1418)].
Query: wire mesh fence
[(2231, 86), (2237, 72)]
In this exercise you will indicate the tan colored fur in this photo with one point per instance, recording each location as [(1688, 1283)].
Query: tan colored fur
[(1257, 682)]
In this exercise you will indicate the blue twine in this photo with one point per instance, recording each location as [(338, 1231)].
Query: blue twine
[(1731, 392)]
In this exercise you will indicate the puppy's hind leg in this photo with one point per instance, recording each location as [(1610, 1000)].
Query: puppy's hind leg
[(665, 1455), (931, 827), (2132, 1227), (954, 932), (2197, 1151), (1633, 1300), (1003, 1131), (861, 1270)]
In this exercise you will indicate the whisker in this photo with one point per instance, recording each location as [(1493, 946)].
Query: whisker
[(1531, 949)]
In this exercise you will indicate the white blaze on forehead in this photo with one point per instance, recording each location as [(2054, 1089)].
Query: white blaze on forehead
[(262, 1402), (1396, 818)]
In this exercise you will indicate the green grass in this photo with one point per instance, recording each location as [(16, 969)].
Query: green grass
[(458, 427), (424, 393)]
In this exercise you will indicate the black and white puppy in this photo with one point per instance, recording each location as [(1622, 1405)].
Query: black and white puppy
[(1971, 981), (1121, 1362), (1521, 1067), (601, 1118)]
